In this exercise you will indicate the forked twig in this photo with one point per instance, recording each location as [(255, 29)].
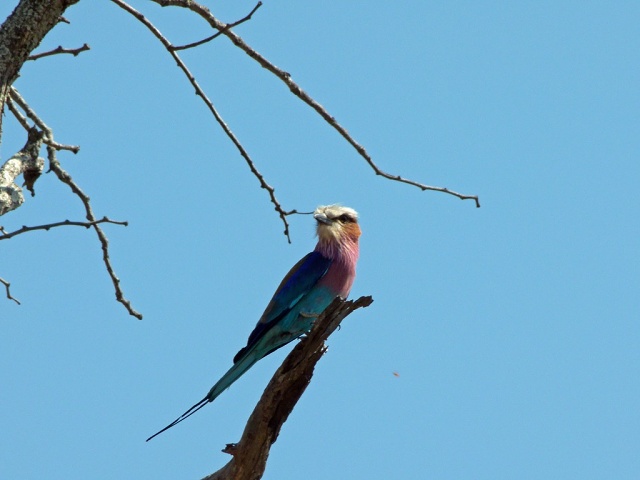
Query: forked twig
[(64, 177), (285, 77), (25, 124), (200, 92), (7, 235), (217, 34)]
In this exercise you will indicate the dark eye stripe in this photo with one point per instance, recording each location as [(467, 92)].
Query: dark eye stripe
[(345, 218)]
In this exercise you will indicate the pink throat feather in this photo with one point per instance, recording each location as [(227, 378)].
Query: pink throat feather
[(344, 253)]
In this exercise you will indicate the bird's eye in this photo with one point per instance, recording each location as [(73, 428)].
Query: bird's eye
[(345, 218)]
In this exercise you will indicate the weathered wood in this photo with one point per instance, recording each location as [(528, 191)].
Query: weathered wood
[(22, 32), (281, 395)]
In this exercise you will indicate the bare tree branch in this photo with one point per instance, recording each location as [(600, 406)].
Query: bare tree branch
[(64, 177), (7, 235), (281, 396), (26, 162), (20, 33), (6, 286), (60, 50), (22, 120), (285, 77), (216, 35), (169, 47)]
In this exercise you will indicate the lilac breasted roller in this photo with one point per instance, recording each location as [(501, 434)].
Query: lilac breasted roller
[(309, 287)]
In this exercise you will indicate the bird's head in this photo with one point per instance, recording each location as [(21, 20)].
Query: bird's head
[(337, 224)]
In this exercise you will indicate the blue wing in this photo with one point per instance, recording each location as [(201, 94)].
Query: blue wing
[(298, 283), (295, 285)]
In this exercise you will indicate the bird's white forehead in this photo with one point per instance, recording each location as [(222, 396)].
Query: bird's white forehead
[(334, 211)]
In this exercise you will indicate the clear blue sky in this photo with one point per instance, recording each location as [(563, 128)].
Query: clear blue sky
[(514, 328)]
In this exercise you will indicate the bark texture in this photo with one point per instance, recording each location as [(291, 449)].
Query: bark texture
[(27, 163), (281, 395), (22, 32)]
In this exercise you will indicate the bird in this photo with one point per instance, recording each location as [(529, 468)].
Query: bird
[(305, 292)]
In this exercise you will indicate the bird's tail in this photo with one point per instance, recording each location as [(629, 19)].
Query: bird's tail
[(182, 417), (234, 373)]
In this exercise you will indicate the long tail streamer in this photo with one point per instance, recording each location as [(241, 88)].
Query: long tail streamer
[(184, 416)]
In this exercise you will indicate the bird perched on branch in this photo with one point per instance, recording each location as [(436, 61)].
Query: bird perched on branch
[(308, 288)]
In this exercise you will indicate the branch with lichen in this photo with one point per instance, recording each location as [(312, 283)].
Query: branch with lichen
[(21, 32), (27, 163), (64, 177)]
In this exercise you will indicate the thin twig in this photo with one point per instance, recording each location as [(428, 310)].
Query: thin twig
[(59, 50), (285, 77), (22, 120), (216, 35), (7, 235), (263, 184), (64, 177), (6, 286)]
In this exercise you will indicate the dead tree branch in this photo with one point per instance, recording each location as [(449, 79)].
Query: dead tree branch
[(64, 177), (7, 235), (22, 120), (60, 50), (21, 33), (216, 35), (285, 77), (281, 395), (200, 92), (6, 286), (27, 163)]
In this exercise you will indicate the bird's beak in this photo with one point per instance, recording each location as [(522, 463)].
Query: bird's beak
[(322, 218)]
